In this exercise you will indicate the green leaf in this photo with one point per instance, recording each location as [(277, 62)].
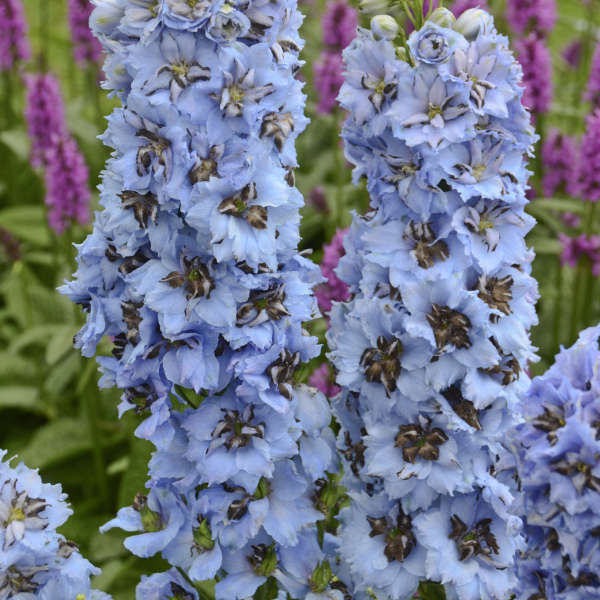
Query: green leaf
[(57, 441), (60, 343), (62, 373), (21, 397), (15, 366), (37, 335), (267, 591), (546, 245), (134, 479), (431, 591), (18, 141), (27, 222), (560, 204)]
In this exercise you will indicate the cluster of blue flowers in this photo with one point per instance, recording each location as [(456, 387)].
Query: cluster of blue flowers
[(35, 561), (193, 271), (559, 470), (431, 349)]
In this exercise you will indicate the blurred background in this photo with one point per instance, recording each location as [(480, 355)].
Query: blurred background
[(51, 412)]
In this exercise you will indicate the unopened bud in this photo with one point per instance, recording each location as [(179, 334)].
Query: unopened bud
[(470, 22), (320, 578), (443, 18), (373, 7), (384, 27), (401, 54)]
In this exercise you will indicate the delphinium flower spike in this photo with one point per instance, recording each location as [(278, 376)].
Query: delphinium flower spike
[(431, 350), (36, 561), (193, 270), (559, 472), (14, 44)]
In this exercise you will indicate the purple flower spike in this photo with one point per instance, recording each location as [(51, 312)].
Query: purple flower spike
[(582, 245), (67, 189), (339, 24), (328, 80), (531, 15), (334, 289), (322, 379), (459, 6), (592, 92), (572, 53), (14, 45), (536, 61), (44, 114), (589, 165), (560, 154), (86, 48)]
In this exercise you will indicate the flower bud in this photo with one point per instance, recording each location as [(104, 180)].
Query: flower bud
[(402, 54), (384, 27), (373, 7), (320, 578), (442, 17), (470, 22)]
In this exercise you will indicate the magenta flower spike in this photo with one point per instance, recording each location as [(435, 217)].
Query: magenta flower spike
[(328, 79), (14, 45), (589, 165), (86, 48), (339, 24), (559, 153), (592, 92), (534, 56), (459, 6), (44, 114), (67, 189), (531, 15)]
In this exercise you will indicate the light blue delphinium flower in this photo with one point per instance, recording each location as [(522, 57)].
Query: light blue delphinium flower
[(559, 470), (431, 349), (36, 561), (193, 272)]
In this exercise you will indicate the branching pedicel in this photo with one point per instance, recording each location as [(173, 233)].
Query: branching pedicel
[(193, 271), (432, 347)]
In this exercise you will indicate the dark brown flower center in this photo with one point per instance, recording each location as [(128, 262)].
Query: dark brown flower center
[(479, 540), (420, 440), (382, 364), (496, 293), (399, 538), (426, 249), (450, 327)]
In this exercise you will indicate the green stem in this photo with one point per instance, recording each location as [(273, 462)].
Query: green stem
[(93, 90), (588, 294), (8, 100), (92, 398), (338, 207), (556, 326), (582, 266), (44, 10)]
